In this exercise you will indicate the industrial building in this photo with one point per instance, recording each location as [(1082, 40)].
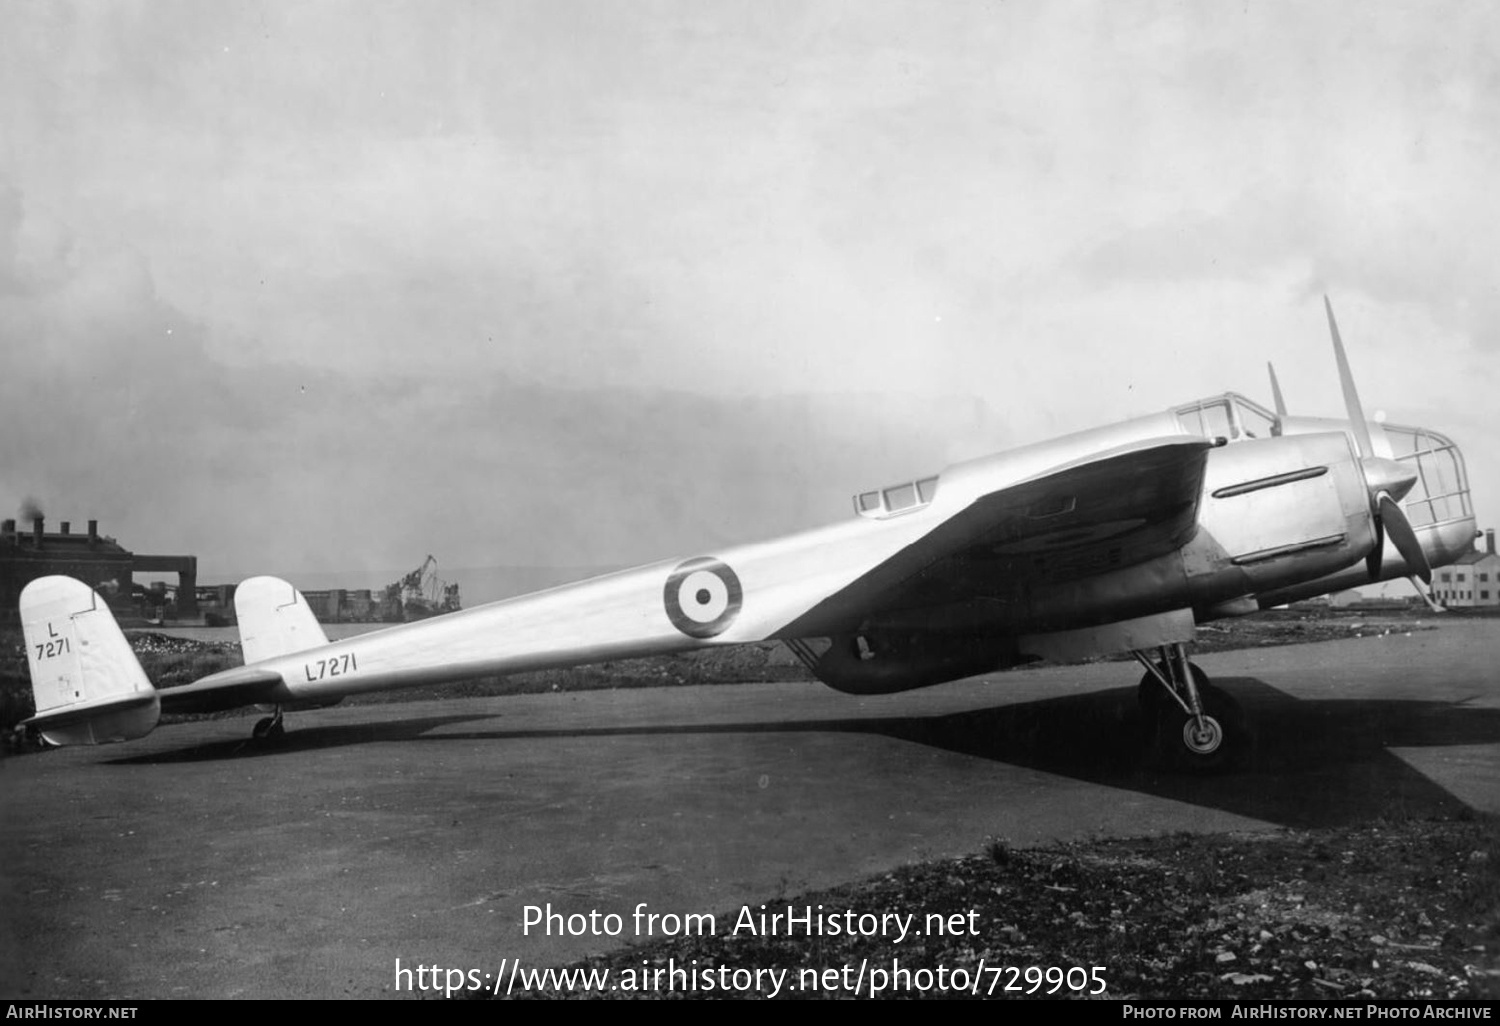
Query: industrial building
[(98, 561), (1473, 581)]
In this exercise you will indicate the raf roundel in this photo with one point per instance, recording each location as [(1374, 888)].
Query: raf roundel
[(702, 597)]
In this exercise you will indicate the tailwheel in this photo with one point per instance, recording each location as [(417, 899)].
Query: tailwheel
[(270, 728)]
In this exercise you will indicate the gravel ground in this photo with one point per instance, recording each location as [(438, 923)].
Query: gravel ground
[(1393, 910)]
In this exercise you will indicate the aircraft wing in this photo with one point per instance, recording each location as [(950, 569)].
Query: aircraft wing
[(1088, 517)]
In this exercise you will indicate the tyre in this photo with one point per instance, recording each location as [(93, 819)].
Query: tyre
[(1220, 742)]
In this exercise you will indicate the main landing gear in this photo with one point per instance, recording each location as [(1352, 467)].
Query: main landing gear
[(270, 728), (1190, 724)]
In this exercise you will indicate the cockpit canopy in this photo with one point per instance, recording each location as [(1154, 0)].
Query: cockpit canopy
[(1230, 416), (1442, 490)]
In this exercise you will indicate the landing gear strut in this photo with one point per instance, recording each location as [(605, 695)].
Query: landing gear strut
[(270, 728), (1190, 724)]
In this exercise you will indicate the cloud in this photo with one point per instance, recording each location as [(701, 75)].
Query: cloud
[(1398, 253), (115, 409)]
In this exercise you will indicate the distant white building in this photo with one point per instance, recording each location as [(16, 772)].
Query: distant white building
[(1473, 581)]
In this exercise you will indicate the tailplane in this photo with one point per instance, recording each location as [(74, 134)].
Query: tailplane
[(275, 619), (88, 686)]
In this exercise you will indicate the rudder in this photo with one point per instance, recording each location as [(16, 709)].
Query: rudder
[(275, 619), (88, 686)]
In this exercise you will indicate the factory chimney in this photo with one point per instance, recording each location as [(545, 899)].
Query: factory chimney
[(7, 528), (64, 526), (93, 532), (1489, 541), (36, 530)]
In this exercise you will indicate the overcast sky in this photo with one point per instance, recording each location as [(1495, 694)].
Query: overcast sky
[(323, 286)]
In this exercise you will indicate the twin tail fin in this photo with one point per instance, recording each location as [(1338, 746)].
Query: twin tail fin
[(88, 685)]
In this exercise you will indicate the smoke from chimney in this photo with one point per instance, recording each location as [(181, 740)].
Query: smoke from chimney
[(30, 509)]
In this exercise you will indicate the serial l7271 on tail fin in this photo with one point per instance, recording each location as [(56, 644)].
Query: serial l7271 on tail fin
[(1117, 539)]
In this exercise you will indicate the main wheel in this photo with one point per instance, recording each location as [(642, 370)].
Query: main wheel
[(1202, 737), (1216, 743), (269, 728)]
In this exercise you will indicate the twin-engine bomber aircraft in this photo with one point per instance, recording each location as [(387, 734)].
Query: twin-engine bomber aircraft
[(1116, 539)]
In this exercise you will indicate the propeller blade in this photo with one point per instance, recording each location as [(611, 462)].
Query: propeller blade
[(1280, 402), (1276, 392), (1394, 521), (1386, 479), (1351, 394), (1432, 603), (1376, 558)]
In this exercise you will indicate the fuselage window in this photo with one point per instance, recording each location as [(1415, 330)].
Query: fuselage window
[(897, 498), (901, 497)]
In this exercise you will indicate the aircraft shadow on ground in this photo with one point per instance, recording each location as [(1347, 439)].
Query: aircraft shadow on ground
[(1308, 762), (303, 735)]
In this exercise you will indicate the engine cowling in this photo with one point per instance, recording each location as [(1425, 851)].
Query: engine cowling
[(1276, 512), (1272, 513)]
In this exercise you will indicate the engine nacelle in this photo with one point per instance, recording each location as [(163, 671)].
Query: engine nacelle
[(1273, 513), (884, 662)]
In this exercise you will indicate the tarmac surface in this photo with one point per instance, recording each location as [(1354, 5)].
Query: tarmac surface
[(195, 863)]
